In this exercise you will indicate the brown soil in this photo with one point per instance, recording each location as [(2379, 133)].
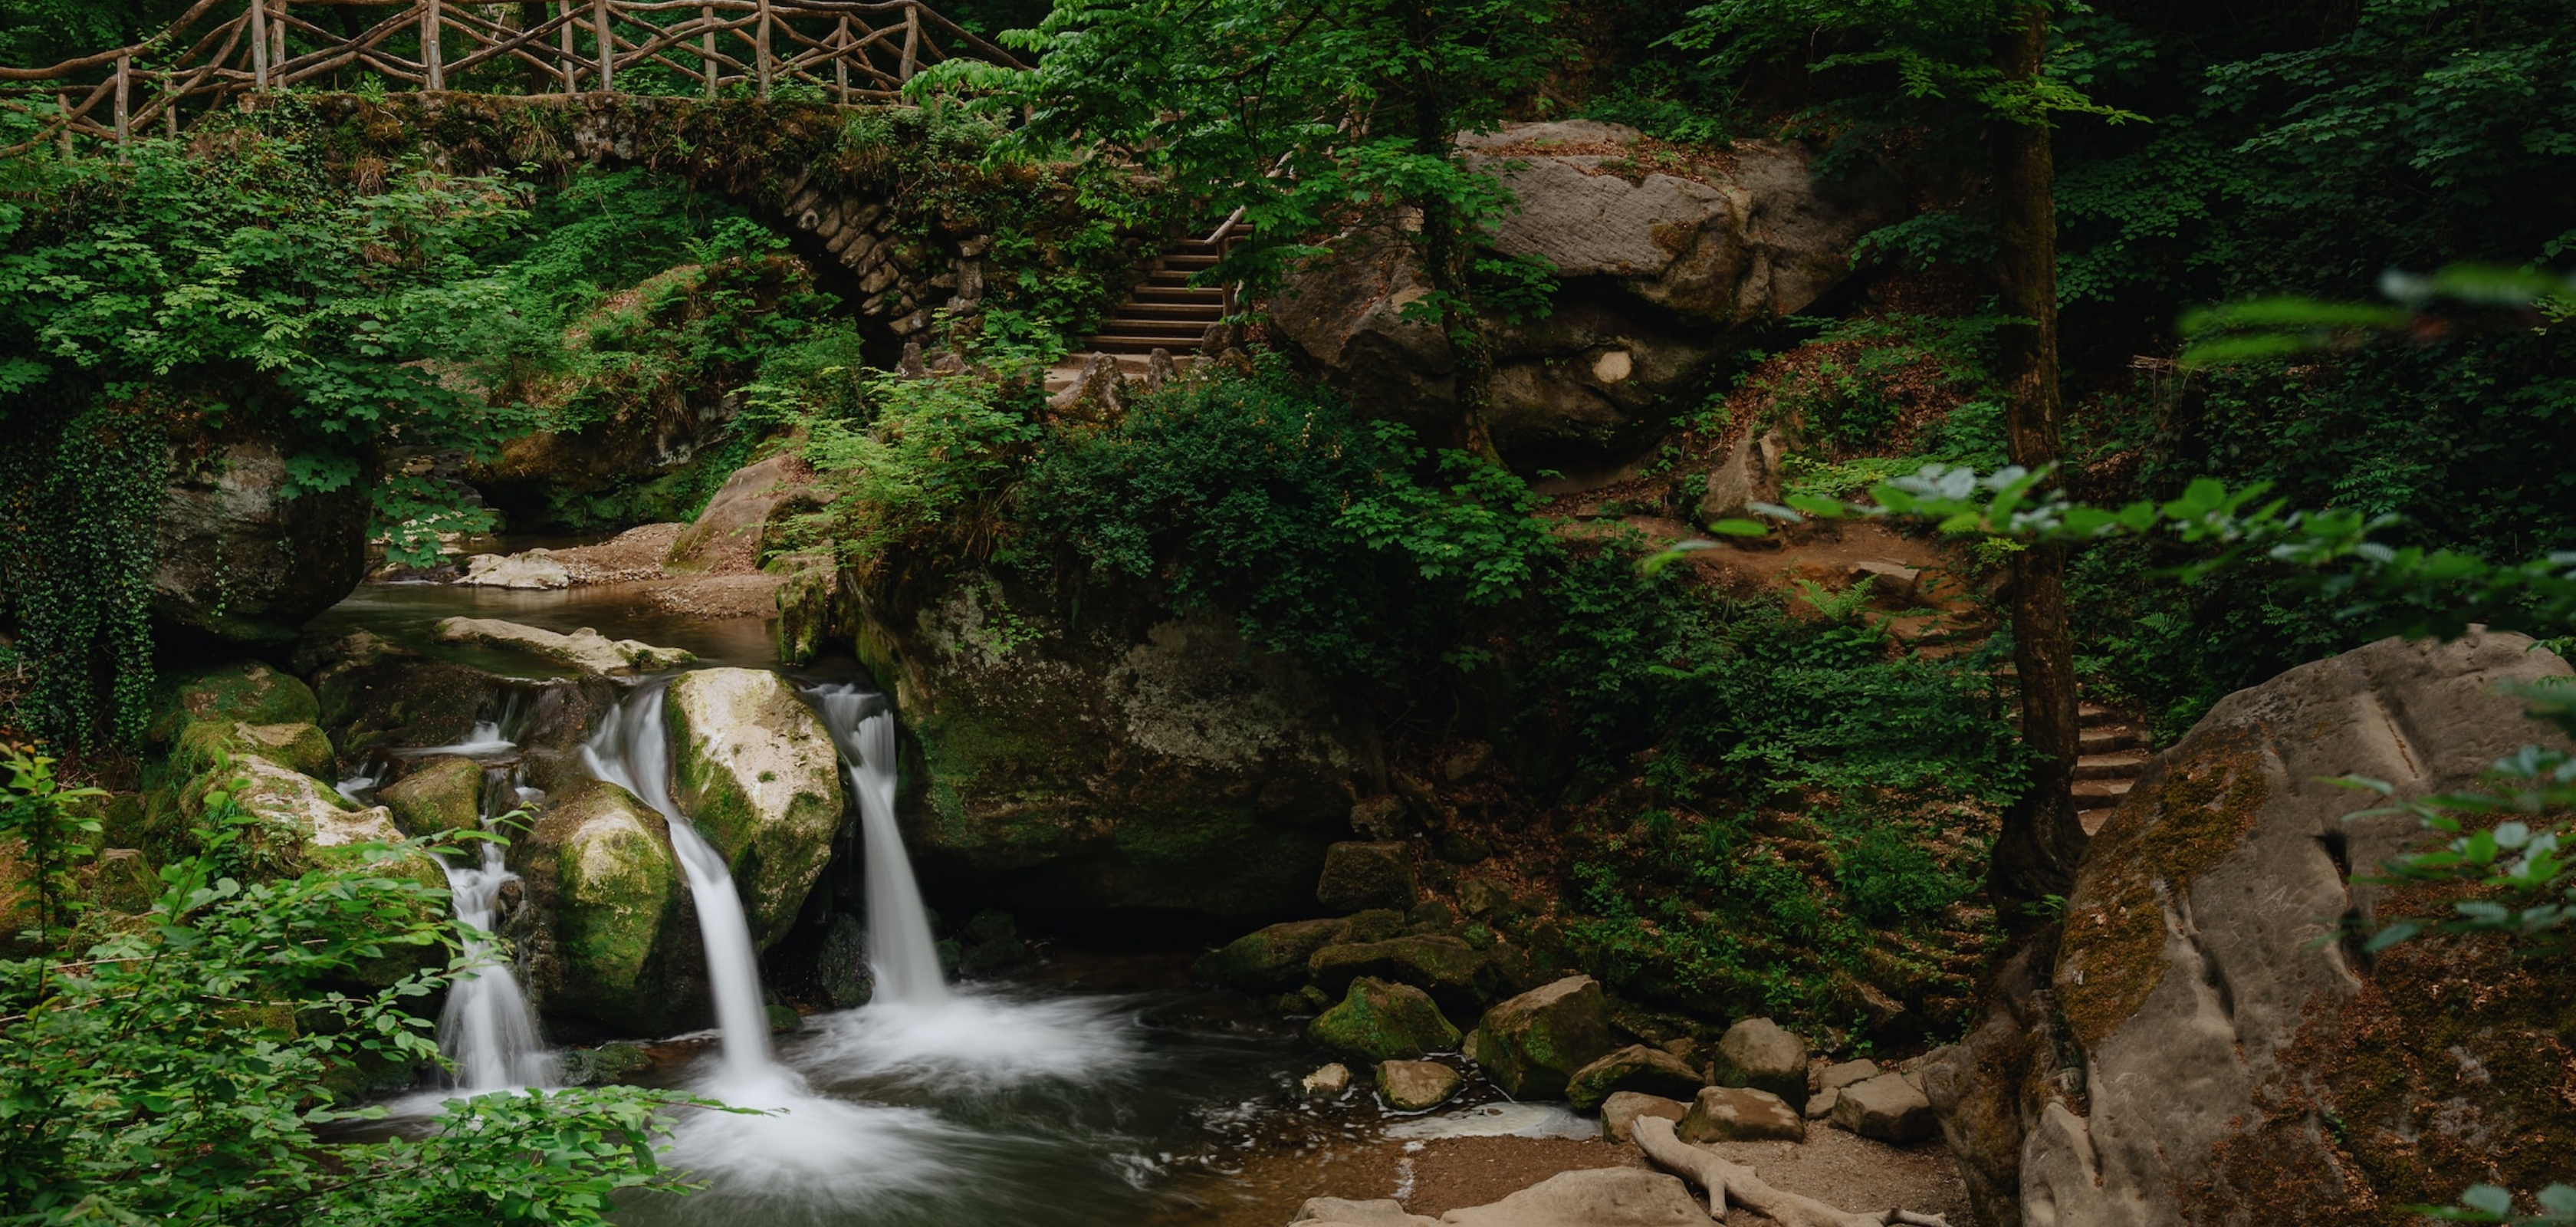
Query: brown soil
[(634, 554)]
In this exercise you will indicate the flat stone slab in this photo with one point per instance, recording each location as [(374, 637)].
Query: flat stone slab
[(584, 649)]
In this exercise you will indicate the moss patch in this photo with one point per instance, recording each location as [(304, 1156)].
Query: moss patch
[(246, 691)]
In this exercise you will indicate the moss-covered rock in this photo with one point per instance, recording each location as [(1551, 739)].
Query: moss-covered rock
[(607, 925), (759, 776), (246, 691), (1378, 1021), (1272, 959), (439, 794), (379, 698), (1532, 1044), (1118, 760), (302, 824), (1456, 975), (1372, 874), (1636, 1068), (206, 743)]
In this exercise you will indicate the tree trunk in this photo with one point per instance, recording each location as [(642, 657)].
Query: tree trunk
[(2042, 838)]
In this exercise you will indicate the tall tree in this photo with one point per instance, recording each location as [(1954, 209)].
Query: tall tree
[(1993, 58), (1307, 116)]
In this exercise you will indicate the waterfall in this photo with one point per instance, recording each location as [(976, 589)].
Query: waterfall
[(632, 749), (487, 1028), (900, 952)]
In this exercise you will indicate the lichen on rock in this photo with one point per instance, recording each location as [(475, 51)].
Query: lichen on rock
[(759, 776)]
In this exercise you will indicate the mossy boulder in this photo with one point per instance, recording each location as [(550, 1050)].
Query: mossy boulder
[(1366, 874), (609, 935), (1122, 760), (303, 824), (379, 698), (1457, 975), (759, 776), (1637, 1068), (205, 743), (439, 794), (1272, 959), (249, 692), (1378, 1021), (1763, 1055), (1532, 1044)]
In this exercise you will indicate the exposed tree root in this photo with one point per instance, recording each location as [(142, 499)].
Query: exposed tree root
[(1733, 1182)]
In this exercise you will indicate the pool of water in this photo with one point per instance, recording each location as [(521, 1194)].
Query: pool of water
[(408, 613)]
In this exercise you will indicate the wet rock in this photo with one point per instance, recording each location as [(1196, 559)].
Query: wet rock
[(1887, 1108), (1532, 1044), (378, 700), (1366, 875), (298, 747), (1000, 956), (439, 794), (783, 1019), (1327, 1081), (609, 929), (584, 649), (235, 559), (304, 824), (759, 776), (1456, 975), (533, 569), (1270, 959), (1636, 1067), (1620, 1111), (843, 964), (602, 1066), (1126, 760), (1758, 1053), (1378, 1021), (1598, 1197), (1740, 1114), (1414, 1086), (2204, 1008)]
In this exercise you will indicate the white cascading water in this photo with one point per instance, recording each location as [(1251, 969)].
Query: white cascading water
[(632, 749), (901, 955), (487, 1028)]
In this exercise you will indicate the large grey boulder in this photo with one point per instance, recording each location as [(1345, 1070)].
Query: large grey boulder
[(1532, 1044), (1660, 275), (584, 649), (234, 558), (1637, 1068), (760, 778), (608, 938), (2207, 1045), (1758, 1053), (1886, 1108), (1414, 1086), (1740, 1114), (726, 536), (1358, 876)]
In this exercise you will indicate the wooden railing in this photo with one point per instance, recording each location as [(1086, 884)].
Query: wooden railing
[(221, 51)]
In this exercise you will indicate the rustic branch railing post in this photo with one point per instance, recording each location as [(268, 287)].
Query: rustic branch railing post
[(170, 103), (124, 88), (707, 46), (760, 51), (433, 65), (259, 45), (841, 60), (607, 47), (63, 135), (276, 37), (563, 38), (911, 41)]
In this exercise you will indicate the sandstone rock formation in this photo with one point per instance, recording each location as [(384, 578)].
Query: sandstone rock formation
[(584, 649), (1636, 1068), (235, 559), (1757, 1053), (2206, 1044), (1415, 1086), (1657, 270), (1532, 1044), (607, 938), (759, 776)]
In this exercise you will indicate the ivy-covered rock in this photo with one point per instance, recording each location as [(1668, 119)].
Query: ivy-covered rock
[(441, 793), (1532, 1044), (237, 559), (1378, 1021), (608, 936), (1456, 975), (760, 778), (1271, 959)]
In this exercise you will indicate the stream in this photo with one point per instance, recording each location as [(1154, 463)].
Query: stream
[(1098, 1091)]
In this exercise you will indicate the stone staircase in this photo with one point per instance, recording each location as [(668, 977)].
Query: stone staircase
[(2112, 755), (1164, 312)]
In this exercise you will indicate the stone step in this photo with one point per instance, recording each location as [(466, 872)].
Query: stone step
[(2100, 740), (1165, 332), (1178, 294), (1202, 313), (2117, 765), (2100, 794), (1108, 344), (1189, 260), (2090, 714)]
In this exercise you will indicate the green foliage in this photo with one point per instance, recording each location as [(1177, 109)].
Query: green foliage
[(916, 457), (82, 502), (174, 1072), (1263, 496)]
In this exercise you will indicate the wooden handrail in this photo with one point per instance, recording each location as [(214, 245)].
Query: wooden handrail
[(264, 46)]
